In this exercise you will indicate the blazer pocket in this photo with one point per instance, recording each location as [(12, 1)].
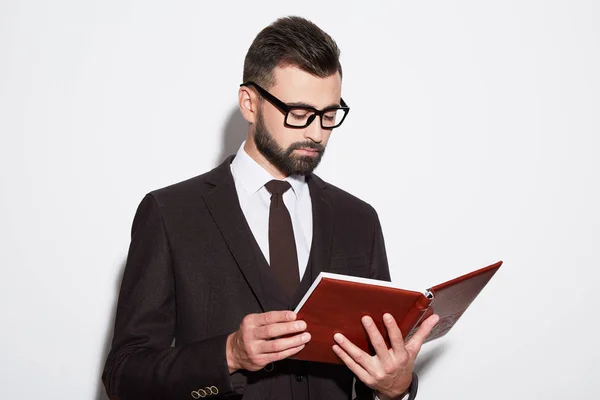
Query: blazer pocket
[(350, 265)]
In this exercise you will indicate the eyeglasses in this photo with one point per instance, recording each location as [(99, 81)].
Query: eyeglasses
[(302, 116)]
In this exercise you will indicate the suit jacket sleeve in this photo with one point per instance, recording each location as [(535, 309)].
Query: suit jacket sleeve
[(379, 270), (142, 364)]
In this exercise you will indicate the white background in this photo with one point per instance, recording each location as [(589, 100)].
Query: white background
[(473, 131)]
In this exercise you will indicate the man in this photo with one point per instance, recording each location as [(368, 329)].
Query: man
[(217, 262)]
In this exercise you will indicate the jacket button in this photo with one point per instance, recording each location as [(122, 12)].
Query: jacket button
[(269, 367), (298, 378)]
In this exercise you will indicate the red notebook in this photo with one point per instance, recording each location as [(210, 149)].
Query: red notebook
[(336, 303)]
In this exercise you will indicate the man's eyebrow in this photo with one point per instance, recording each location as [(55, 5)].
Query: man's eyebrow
[(302, 104)]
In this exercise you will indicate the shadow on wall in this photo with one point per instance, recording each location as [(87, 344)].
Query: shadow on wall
[(233, 134), (427, 358), (100, 392)]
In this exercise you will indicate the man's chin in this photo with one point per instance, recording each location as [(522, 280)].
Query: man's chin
[(305, 165)]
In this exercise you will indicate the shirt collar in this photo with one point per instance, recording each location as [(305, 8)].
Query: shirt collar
[(253, 177)]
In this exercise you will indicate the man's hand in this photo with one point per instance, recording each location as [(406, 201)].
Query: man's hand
[(258, 343), (389, 371)]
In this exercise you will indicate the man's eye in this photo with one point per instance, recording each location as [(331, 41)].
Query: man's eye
[(330, 116), (299, 114)]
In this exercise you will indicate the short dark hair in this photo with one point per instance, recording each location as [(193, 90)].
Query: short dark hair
[(291, 41)]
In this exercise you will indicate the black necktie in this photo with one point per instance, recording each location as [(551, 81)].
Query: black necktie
[(282, 246)]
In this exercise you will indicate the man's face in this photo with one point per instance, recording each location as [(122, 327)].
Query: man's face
[(295, 151)]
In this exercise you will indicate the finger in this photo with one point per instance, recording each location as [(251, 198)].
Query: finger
[(357, 354), (394, 333), (415, 343), (353, 366), (376, 338), (283, 344), (273, 317), (279, 329), (272, 357)]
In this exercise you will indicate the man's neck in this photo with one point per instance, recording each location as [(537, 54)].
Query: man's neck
[(257, 156)]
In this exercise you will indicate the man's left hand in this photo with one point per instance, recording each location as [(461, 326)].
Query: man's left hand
[(389, 371)]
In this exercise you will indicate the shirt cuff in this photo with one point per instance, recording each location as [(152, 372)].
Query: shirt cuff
[(375, 397), (411, 392)]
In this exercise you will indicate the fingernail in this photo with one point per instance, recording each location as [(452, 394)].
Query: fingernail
[(387, 318), (306, 337), (338, 338), (367, 321), (301, 325), (291, 316)]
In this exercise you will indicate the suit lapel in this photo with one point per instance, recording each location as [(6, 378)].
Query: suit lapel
[(322, 212), (320, 248), (224, 207)]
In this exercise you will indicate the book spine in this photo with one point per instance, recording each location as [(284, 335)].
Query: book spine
[(420, 311)]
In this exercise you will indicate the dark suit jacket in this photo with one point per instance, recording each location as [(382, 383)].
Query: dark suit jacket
[(191, 277)]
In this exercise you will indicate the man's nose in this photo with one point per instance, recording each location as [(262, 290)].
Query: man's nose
[(314, 131)]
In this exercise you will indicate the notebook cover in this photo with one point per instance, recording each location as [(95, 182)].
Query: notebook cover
[(452, 298), (338, 306)]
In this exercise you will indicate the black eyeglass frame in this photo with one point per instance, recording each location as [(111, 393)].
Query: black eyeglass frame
[(287, 108)]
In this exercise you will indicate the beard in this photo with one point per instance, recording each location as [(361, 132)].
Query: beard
[(284, 159)]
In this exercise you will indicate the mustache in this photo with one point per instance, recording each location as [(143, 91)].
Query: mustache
[(306, 145)]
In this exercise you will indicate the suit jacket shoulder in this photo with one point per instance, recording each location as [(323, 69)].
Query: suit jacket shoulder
[(190, 191), (342, 201)]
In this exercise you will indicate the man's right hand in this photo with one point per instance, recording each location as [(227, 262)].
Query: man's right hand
[(259, 340)]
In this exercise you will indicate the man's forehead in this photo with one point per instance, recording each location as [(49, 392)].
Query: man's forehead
[(295, 85)]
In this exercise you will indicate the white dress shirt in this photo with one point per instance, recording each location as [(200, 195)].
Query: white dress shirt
[(250, 179)]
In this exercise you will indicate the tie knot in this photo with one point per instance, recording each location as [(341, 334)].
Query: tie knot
[(277, 187)]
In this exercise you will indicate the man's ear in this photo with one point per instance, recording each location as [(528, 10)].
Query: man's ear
[(248, 103)]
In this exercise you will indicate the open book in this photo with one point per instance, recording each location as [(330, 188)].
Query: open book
[(336, 303)]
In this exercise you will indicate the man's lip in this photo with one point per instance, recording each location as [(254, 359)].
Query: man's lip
[(309, 149)]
